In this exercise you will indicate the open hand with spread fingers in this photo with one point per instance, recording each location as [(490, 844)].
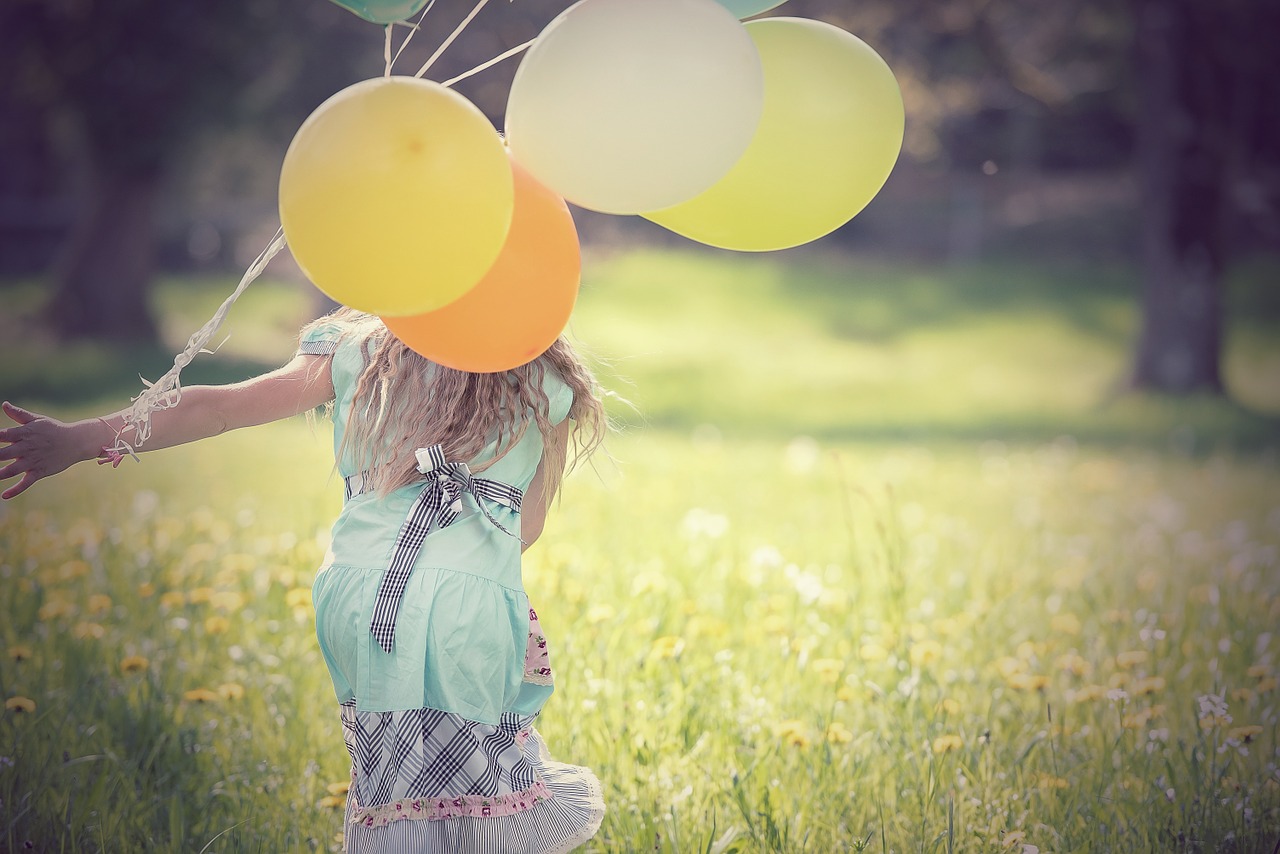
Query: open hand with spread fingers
[(40, 446)]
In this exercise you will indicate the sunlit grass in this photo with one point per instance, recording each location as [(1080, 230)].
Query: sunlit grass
[(886, 569), (785, 646)]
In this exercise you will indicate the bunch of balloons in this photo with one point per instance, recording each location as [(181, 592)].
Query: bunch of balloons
[(399, 197)]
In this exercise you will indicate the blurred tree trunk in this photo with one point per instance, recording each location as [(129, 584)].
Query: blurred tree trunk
[(103, 276), (1183, 130)]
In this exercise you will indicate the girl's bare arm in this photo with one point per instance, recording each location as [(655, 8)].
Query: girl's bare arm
[(536, 501), (40, 446)]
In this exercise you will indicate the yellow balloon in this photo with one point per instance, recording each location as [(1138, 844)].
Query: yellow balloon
[(396, 195), (830, 134)]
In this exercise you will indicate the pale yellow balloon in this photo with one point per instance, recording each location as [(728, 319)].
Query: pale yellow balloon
[(623, 106), (829, 137), (396, 195)]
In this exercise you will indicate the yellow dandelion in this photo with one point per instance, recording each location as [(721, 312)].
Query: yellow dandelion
[(827, 670), (1009, 666), (648, 582), (1149, 685), (200, 695), (339, 788), (949, 706), (1049, 781), (1259, 671), (833, 599), (55, 609), (1118, 680), (1075, 664), (1266, 685), (597, 614), (1013, 838), (200, 595), (667, 646), (1204, 594), (20, 704), (1065, 624), (872, 652), (85, 630), (1027, 682), (298, 597), (332, 802), (217, 624), (1136, 720), (227, 600), (72, 570), (134, 664), (1243, 695), (1132, 658), (792, 732), (1214, 721), (146, 590), (925, 652), (231, 691), (846, 693), (1028, 651), (702, 625), (18, 652), (838, 733), (239, 564), (173, 599), (99, 603), (947, 743), (775, 624), (1244, 733)]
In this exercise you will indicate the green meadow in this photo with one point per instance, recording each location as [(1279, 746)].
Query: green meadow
[(882, 557)]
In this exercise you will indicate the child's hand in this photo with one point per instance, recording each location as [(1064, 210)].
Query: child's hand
[(39, 447)]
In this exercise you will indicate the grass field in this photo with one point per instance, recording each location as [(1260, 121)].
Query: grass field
[(880, 562)]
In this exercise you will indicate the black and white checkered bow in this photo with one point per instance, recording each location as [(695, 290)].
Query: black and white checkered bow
[(437, 506)]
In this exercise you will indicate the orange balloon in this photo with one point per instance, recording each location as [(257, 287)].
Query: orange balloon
[(521, 305)]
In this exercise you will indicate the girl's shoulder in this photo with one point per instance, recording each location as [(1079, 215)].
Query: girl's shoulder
[(559, 395), (320, 338)]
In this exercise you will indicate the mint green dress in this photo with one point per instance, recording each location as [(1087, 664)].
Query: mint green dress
[(445, 757)]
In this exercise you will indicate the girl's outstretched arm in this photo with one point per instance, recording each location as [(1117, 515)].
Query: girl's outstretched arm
[(533, 509), (40, 446)]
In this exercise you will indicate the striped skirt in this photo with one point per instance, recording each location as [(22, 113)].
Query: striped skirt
[(518, 800)]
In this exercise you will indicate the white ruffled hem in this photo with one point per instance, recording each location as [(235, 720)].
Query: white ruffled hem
[(570, 817)]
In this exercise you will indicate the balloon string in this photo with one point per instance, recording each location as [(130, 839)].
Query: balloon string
[(412, 32), (452, 36), (166, 392), (491, 62), (386, 52)]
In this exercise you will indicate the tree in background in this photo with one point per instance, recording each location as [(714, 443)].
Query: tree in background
[(1208, 134), (1185, 90), (126, 91), (1196, 86), (120, 87)]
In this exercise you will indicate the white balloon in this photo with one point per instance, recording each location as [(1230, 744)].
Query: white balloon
[(624, 106)]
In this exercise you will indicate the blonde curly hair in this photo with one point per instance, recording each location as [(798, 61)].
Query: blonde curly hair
[(403, 402)]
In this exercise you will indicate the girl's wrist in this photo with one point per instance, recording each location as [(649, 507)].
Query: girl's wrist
[(91, 437)]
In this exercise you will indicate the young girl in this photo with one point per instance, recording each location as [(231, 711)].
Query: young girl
[(438, 661)]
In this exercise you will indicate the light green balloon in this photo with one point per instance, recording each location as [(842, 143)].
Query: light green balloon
[(747, 8), (383, 11), (830, 134)]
